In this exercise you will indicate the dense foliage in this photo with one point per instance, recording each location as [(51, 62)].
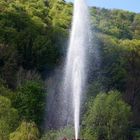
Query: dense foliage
[(26, 131), (107, 117), (33, 40), (8, 118), (59, 134), (30, 102)]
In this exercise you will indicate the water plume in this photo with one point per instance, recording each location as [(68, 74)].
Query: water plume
[(75, 67)]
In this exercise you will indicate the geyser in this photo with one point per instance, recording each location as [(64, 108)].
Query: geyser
[(75, 67)]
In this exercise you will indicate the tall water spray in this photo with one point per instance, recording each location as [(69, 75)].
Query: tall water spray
[(75, 68)]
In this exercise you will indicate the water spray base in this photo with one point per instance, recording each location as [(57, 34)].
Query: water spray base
[(73, 139), (77, 139)]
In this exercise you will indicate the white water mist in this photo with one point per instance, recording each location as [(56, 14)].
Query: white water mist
[(75, 68)]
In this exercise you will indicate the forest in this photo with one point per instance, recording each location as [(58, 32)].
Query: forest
[(33, 41)]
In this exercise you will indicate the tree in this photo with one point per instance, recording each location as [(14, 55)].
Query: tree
[(8, 118), (131, 56), (30, 101), (107, 117), (5, 91), (26, 131), (112, 63), (59, 134), (136, 27), (26, 38)]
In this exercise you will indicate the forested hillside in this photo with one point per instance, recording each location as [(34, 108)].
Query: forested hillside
[(33, 42)]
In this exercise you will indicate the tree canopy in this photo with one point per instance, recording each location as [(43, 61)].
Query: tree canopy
[(107, 117)]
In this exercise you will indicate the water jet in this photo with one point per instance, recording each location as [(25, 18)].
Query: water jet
[(75, 67)]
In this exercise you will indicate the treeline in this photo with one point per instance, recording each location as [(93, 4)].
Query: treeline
[(116, 35), (33, 42)]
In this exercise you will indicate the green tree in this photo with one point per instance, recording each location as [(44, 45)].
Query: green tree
[(5, 91), (113, 64), (131, 56), (8, 118), (30, 101), (59, 134), (136, 27), (26, 38), (26, 131), (107, 117)]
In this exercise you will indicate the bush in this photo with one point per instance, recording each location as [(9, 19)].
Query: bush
[(8, 118), (67, 132), (26, 131)]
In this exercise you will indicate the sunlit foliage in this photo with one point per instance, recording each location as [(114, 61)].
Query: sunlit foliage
[(107, 117)]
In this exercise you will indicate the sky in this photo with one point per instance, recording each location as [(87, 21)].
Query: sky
[(130, 5)]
